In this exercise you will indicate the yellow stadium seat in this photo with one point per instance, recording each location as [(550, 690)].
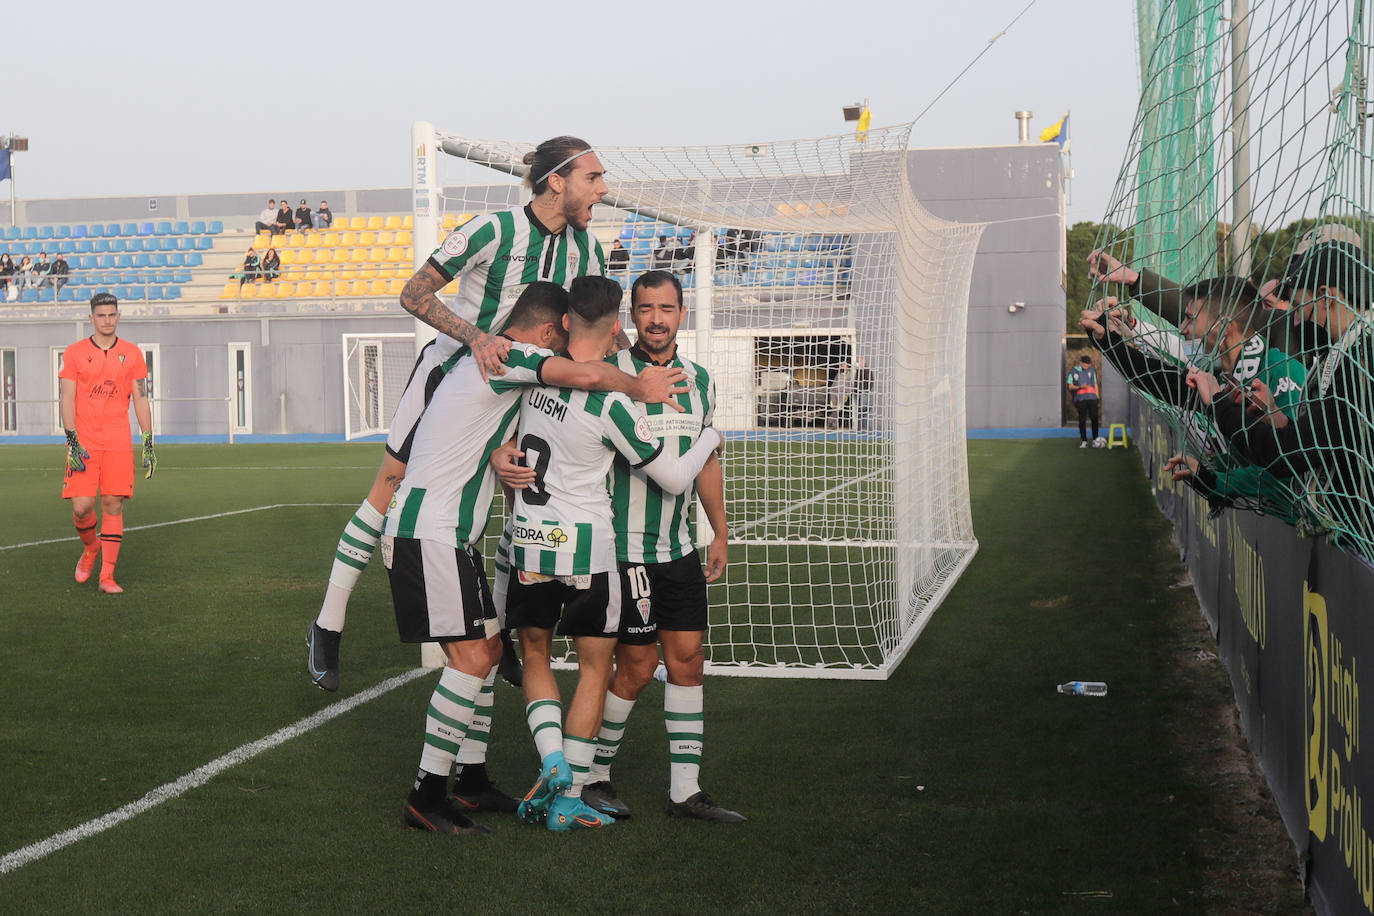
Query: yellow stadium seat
[(248, 291), (279, 240), (367, 239), (408, 221), (385, 238), (395, 254), (377, 287), (403, 237), (295, 240), (376, 222), (330, 239), (261, 240), (348, 239), (368, 273), (392, 222), (230, 291), (284, 290), (314, 239), (324, 288), (348, 274), (376, 254), (450, 220), (287, 256), (324, 255), (357, 255), (409, 255), (394, 287), (357, 223), (339, 255), (452, 288)]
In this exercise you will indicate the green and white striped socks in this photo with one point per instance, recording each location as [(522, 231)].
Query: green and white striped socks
[(682, 714), (355, 548)]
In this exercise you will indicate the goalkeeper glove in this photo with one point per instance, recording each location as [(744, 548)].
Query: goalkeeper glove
[(149, 456), (76, 455)]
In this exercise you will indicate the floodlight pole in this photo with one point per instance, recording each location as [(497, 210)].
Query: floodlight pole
[(1241, 255)]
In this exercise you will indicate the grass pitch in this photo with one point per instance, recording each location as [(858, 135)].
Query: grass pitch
[(964, 784)]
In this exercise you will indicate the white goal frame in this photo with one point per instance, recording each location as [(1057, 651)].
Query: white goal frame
[(355, 388)]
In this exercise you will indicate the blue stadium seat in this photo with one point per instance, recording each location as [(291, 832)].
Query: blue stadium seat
[(163, 276), (79, 231), (111, 230), (66, 246), (47, 294), (641, 247), (806, 278), (45, 232), (35, 247), (685, 232), (134, 276), (180, 228), (83, 262), (186, 243), (28, 295), (154, 293), (100, 246), (157, 260), (198, 227), (163, 227), (638, 264), (145, 228), (4, 247), (181, 275), (644, 231), (172, 292), (29, 232), (123, 260), (13, 233), (766, 278), (194, 259), (141, 260), (166, 243), (129, 229), (83, 246), (117, 245), (176, 259), (104, 261), (133, 294), (787, 277), (215, 227), (204, 243), (62, 232), (66, 294), (627, 233)]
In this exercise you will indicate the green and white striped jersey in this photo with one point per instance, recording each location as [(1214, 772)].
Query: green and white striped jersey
[(561, 524), (652, 525), (499, 254), (448, 488)]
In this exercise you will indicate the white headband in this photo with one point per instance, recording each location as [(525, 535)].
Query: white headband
[(561, 164)]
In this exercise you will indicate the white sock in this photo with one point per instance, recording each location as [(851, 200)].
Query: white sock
[(578, 752), (613, 719), (474, 749), (682, 714), (545, 719), (354, 550), (450, 712)]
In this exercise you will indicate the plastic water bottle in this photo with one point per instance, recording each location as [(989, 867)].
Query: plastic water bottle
[(661, 674), (1084, 689)]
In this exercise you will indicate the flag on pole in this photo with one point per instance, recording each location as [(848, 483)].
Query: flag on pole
[(1058, 133), (5, 164), (861, 129)]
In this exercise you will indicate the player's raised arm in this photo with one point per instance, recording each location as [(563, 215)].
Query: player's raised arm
[(420, 299), (655, 385)]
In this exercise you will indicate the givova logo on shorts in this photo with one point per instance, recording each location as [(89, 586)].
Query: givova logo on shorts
[(1335, 808)]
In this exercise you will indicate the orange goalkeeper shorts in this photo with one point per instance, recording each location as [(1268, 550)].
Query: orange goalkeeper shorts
[(108, 473)]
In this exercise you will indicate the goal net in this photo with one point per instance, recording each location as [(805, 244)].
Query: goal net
[(375, 369), (830, 308)]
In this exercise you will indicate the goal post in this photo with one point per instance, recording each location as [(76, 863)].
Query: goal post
[(830, 307), (375, 370)]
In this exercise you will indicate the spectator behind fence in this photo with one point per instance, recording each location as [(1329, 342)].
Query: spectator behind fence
[(251, 268), (303, 220), (686, 255), (324, 217), (267, 218), (1325, 443), (23, 274), (618, 261), (271, 264), (284, 221), (40, 270), (663, 255), (57, 272)]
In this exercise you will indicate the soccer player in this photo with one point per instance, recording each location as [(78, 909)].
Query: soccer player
[(563, 550), (497, 255), (438, 584), (99, 376), (663, 587)]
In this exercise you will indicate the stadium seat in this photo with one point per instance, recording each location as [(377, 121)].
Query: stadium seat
[(395, 254), (104, 261), (376, 255), (295, 240), (66, 246), (176, 259), (261, 240), (357, 255), (408, 221), (47, 294), (100, 246), (163, 227), (348, 239), (133, 294), (391, 222), (45, 232), (197, 227), (83, 246), (394, 287), (627, 232), (215, 228), (66, 294), (283, 290), (230, 290), (79, 231), (123, 260), (249, 291), (118, 245), (278, 240), (384, 238), (111, 230), (167, 243), (13, 232), (172, 292), (29, 232), (195, 259), (186, 243), (404, 237), (204, 243), (314, 239), (367, 239), (287, 256), (154, 260), (28, 295), (141, 259), (181, 275), (154, 293), (145, 229), (329, 239), (339, 255), (359, 223), (181, 228)]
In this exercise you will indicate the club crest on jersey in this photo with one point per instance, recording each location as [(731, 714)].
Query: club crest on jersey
[(121, 357), (542, 535), (455, 244), (643, 430), (644, 604)]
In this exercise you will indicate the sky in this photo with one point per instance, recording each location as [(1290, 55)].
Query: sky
[(158, 98)]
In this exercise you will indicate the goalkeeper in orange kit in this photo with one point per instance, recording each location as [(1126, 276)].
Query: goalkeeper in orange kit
[(100, 375)]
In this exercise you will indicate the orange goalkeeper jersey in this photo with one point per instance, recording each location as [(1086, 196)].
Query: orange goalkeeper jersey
[(104, 383)]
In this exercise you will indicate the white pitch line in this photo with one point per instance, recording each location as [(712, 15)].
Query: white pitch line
[(184, 521), (198, 777)]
